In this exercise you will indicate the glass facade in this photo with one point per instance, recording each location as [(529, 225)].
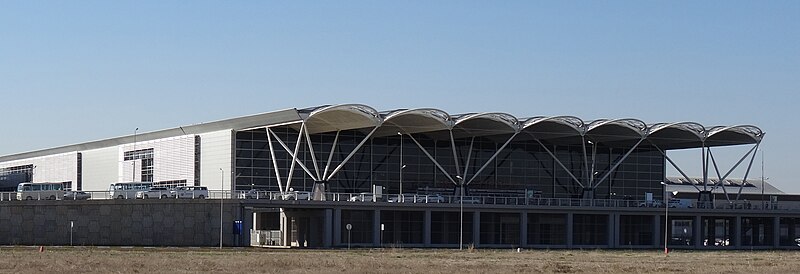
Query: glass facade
[(521, 167), (146, 156)]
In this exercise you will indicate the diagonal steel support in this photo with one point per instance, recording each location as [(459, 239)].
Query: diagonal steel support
[(559, 162), (747, 173), (585, 160), (330, 156), (469, 160), (719, 176), (675, 166), (618, 163), (492, 158), (455, 154), (433, 160), (350, 155), (292, 155), (736, 165), (274, 162), (313, 154)]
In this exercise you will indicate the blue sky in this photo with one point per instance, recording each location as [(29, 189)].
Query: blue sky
[(74, 71)]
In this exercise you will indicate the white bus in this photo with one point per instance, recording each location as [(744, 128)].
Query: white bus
[(128, 190), (40, 191)]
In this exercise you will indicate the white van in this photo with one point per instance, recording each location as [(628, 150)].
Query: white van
[(191, 192)]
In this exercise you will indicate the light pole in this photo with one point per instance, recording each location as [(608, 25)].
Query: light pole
[(402, 166), (666, 215), (133, 156), (221, 199), (461, 213), (763, 203)]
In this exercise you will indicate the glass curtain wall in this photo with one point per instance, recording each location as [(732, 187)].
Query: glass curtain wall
[(522, 167)]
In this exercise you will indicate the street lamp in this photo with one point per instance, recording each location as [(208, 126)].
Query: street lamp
[(666, 215), (221, 199), (461, 213), (402, 166)]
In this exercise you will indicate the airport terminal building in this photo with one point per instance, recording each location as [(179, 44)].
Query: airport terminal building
[(341, 175)]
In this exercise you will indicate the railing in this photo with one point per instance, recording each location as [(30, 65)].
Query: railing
[(416, 199)]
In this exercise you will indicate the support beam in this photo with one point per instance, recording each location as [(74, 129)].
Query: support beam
[(719, 177), (749, 166), (675, 166), (491, 158), (559, 163), (734, 166), (608, 173), (292, 154), (455, 153), (294, 157), (350, 155), (466, 163), (274, 162), (330, 155), (313, 154), (433, 160)]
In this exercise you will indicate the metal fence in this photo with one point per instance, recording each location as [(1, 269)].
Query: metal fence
[(402, 198)]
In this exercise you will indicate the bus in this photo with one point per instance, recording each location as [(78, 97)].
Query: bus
[(40, 191), (128, 190)]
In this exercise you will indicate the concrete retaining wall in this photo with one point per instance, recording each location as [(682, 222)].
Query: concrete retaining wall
[(170, 222)]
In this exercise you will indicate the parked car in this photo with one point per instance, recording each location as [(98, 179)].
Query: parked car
[(254, 194), (296, 195), (432, 198), (401, 198), (653, 203), (468, 200), (363, 197), (155, 193), (191, 192), (76, 195)]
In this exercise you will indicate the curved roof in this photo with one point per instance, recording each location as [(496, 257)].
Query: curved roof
[(431, 121), (484, 124), (342, 117), (553, 127), (607, 130), (676, 135), (418, 120), (733, 135)]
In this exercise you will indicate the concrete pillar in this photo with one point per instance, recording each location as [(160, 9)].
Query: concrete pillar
[(284, 228), (737, 232), (523, 229), (302, 230), (569, 230), (248, 221), (613, 230), (337, 226), (426, 229), (327, 228), (476, 228), (376, 228), (776, 232), (697, 228), (658, 235)]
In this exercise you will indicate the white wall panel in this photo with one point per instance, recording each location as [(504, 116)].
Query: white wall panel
[(173, 160), (53, 168), (99, 168), (216, 153)]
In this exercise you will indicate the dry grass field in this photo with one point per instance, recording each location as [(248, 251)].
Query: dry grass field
[(251, 260)]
